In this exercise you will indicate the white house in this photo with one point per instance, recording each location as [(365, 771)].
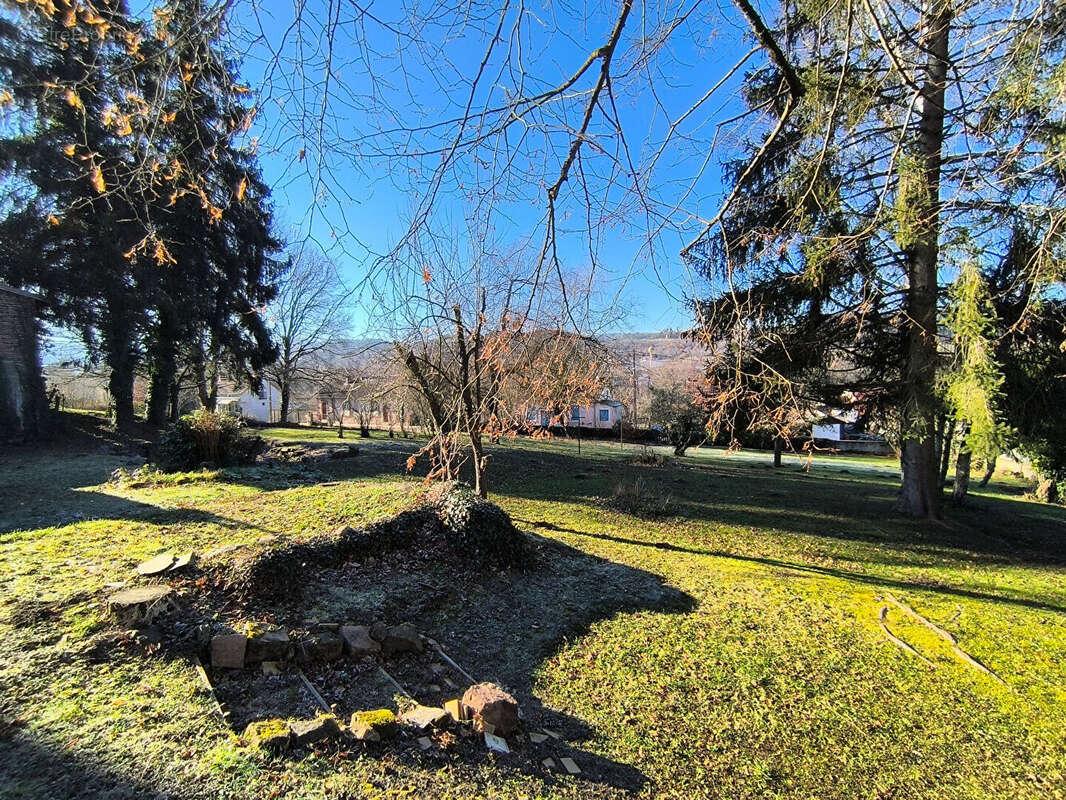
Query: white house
[(828, 428), (262, 406), (601, 414)]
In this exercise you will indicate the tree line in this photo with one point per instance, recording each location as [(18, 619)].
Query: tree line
[(135, 203)]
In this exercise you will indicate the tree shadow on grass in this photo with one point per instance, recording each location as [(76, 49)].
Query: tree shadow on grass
[(30, 769), (993, 530), (40, 491), (812, 569)]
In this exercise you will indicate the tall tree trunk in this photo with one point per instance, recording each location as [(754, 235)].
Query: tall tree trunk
[(120, 388), (286, 393), (990, 469), (920, 493), (962, 475), (162, 369), (121, 358)]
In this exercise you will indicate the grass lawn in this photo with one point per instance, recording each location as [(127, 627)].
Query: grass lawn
[(749, 643)]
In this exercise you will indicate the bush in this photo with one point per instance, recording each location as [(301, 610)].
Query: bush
[(637, 499), (206, 437)]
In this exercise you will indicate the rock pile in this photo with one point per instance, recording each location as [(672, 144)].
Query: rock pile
[(324, 642), (485, 708)]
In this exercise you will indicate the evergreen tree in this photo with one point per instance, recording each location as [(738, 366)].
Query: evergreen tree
[(920, 133)]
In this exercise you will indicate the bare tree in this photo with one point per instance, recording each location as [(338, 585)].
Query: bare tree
[(307, 319)]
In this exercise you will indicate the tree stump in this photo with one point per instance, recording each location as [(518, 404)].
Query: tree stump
[(140, 604)]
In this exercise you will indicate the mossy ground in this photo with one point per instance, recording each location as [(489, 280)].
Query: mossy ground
[(733, 649)]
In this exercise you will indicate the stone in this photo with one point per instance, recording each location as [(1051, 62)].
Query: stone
[(549, 763), (270, 646), (183, 560), (319, 729), (423, 717), (454, 709), (497, 743), (373, 726), (324, 646), (273, 667), (570, 766), (401, 639), (227, 650), (329, 627), (538, 738), (358, 642), (378, 631), (156, 564), (269, 734), (489, 705), (424, 742)]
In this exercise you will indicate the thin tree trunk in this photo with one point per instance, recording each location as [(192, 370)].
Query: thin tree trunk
[(175, 399), (777, 451), (990, 469), (946, 438), (920, 493), (962, 475)]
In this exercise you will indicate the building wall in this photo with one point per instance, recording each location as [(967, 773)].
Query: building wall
[(23, 409), (252, 406)]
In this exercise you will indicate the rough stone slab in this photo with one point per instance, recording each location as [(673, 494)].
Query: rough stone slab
[(423, 717), (373, 726), (183, 560), (454, 709), (401, 639), (538, 738), (424, 742), (323, 646), (271, 646), (358, 642), (549, 763), (156, 564), (497, 743), (227, 651), (271, 734), (319, 729), (570, 766)]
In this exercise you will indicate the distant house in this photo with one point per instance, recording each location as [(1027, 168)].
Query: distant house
[(847, 437), (830, 429), (262, 406), (23, 405), (601, 414)]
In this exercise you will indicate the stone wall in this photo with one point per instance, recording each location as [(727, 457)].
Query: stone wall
[(23, 408)]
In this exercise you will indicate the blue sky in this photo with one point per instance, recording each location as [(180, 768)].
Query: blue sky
[(353, 188)]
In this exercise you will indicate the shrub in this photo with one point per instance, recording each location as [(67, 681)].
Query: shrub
[(638, 499), (206, 437)]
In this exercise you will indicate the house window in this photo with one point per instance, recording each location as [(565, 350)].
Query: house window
[(605, 415)]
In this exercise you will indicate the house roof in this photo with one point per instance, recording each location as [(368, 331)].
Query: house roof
[(830, 421), (21, 292)]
